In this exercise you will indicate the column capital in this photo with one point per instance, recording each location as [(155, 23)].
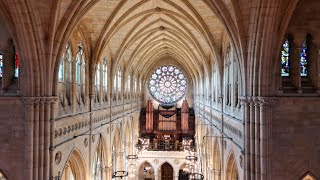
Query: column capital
[(91, 96), (37, 100), (266, 101), (29, 100)]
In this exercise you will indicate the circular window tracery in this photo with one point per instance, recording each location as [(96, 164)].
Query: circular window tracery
[(167, 84)]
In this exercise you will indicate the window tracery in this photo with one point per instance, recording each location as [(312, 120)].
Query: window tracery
[(167, 84), (303, 59), (285, 65), (1, 65), (16, 65)]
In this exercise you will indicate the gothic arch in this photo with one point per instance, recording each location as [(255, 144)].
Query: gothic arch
[(308, 176), (231, 168), (146, 173), (3, 176), (76, 163), (216, 159)]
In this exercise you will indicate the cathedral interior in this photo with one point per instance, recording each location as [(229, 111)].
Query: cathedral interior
[(159, 89)]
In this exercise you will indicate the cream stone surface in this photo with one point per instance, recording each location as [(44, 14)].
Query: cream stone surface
[(74, 100)]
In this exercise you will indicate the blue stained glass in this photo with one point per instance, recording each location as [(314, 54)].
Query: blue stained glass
[(303, 60), (1, 65), (16, 66), (285, 70)]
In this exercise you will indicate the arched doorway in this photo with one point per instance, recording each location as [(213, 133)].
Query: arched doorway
[(146, 172), (182, 174), (166, 172)]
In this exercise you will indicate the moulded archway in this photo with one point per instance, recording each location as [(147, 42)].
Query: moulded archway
[(231, 168), (75, 167), (146, 171), (166, 172), (3, 176)]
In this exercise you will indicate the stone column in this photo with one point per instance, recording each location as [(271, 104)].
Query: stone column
[(265, 135), (54, 106), (29, 108), (156, 175), (38, 114), (217, 175), (176, 175), (36, 140), (246, 118), (108, 173), (257, 138), (251, 150), (294, 59)]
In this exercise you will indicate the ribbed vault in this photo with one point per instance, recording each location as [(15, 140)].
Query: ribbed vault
[(142, 34)]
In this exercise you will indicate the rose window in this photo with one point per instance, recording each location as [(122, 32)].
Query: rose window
[(167, 84)]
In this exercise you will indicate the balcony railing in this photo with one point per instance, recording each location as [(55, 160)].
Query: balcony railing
[(168, 147)]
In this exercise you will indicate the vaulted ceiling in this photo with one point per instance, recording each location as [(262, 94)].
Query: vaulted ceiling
[(143, 33)]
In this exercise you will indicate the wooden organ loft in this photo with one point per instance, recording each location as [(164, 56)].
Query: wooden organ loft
[(167, 126)]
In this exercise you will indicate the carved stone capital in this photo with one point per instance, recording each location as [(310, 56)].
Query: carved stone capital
[(243, 100), (44, 100), (54, 99), (255, 101), (39, 100), (29, 100), (91, 96), (266, 101)]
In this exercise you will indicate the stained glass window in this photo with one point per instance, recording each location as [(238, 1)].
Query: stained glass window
[(285, 59), (1, 65), (167, 84), (303, 59), (16, 66)]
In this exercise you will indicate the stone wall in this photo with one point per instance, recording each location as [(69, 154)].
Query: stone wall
[(295, 137)]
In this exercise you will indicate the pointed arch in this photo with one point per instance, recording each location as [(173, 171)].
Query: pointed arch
[(74, 167), (100, 159), (304, 56), (308, 176), (285, 58), (3, 176), (231, 168), (216, 156), (146, 170)]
